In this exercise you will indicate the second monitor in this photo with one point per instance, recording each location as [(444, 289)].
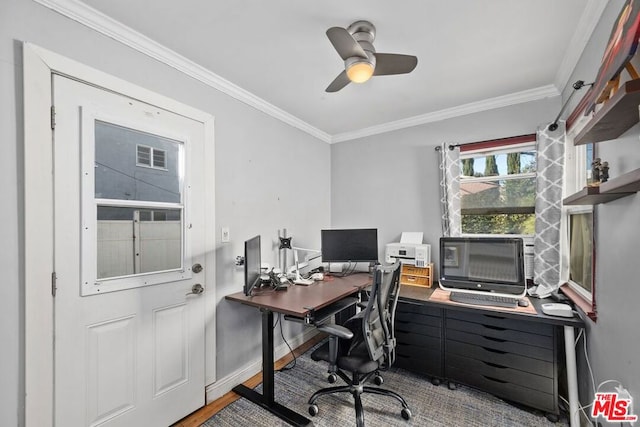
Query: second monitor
[(349, 245)]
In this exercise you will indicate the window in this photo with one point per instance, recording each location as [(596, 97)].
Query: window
[(498, 186), (151, 157), (577, 245), (134, 216), (581, 252)]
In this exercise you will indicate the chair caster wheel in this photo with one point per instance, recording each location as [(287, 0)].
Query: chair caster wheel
[(452, 386), (332, 378), (378, 380), (435, 381), (406, 413), (313, 410)]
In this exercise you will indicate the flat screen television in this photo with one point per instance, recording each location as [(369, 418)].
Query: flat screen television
[(349, 245), (483, 264), (252, 264)]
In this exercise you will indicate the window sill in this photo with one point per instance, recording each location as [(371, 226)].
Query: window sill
[(584, 305)]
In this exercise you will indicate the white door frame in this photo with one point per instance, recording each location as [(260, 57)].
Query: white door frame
[(39, 65)]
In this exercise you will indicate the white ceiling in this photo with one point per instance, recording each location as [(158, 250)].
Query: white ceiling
[(472, 54)]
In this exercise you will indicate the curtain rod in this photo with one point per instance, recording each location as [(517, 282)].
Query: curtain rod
[(494, 142), (450, 146), (576, 87)]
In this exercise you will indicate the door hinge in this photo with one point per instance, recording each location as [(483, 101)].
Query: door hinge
[(53, 117), (54, 287)]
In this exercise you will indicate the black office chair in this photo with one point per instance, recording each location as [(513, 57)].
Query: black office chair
[(364, 346)]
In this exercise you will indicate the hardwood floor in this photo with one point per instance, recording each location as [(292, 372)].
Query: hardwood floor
[(203, 414)]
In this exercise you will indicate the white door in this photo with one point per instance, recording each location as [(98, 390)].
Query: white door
[(128, 223)]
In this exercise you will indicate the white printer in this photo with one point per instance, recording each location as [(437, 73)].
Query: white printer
[(410, 249)]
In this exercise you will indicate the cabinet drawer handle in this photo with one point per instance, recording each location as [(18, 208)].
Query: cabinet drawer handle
[(495, 380), (493, 317), (490, 350), (493, 365), (493, 339), (495, 328)]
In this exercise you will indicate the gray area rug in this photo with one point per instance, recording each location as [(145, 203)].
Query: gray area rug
[(430, 405)]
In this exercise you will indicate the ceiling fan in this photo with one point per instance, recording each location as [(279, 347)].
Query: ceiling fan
[(355, 46)]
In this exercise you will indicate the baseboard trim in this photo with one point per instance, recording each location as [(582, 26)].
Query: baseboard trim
[(224, 385)]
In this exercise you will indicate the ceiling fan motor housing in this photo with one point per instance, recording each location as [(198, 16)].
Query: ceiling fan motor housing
[(364, 32)]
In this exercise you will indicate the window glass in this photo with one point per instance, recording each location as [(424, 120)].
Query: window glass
[(497, 191), (144, 155), (122, 165), (589, 161), (138, 196), (581, 250), (159, 158), (135, 240)]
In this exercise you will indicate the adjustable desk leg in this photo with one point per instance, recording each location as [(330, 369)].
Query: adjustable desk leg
[(267, 357), (572, 375), (267, 398)]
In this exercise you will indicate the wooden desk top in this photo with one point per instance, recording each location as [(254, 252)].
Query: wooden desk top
[(425, 296), (300, 300)]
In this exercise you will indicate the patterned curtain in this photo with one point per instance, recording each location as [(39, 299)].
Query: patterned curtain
[(550, 161), (449, 166)]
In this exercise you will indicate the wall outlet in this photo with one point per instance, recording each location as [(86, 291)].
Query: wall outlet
[(225, 235)]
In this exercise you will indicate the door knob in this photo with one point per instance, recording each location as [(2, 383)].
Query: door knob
[(196, 289), (197, 268)]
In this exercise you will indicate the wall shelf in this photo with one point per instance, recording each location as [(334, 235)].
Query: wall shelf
[(616, 188), (615, 117)]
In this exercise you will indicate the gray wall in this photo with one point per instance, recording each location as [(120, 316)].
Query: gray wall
[(261, 172), (613, 347)]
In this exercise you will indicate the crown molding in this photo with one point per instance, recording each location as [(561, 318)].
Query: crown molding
[(96, 20), (448, 113), (587, 24)]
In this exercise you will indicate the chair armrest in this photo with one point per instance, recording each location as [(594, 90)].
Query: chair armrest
[(336, 330)]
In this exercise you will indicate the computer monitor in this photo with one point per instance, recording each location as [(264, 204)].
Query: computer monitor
[(252, 264), (349, 245), (483, 264)]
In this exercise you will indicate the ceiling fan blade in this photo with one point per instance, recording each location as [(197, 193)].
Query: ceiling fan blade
[(344, 43), (338, 83), (392, 63)]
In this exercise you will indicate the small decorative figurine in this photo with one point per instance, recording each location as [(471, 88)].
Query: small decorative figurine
[(595, 170), (604, 172)]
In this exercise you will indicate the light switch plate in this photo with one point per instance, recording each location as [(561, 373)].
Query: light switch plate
[(224, 232)]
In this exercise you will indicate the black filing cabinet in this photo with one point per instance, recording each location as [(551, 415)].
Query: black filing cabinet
[(419, 339), (511, 358)]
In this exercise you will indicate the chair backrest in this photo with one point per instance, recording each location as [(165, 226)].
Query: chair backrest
[(379, 315)]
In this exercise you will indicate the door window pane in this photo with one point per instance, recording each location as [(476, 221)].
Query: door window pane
[(135, 165), (138, 240)]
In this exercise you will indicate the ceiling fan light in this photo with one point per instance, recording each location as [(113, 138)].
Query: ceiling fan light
[(360, 72)]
